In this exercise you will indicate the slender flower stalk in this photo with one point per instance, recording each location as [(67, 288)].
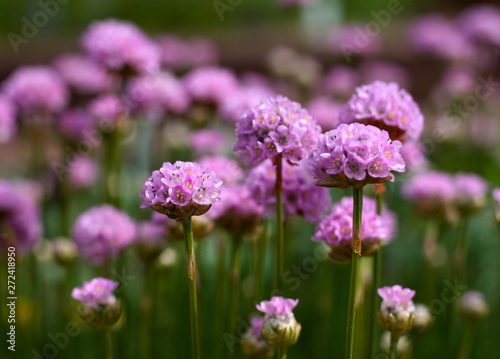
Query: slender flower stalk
[(147, 306), (235, 282), (112, 167), (393, 346), (280, 241), (108, 343), (193, 299), (356, 255)]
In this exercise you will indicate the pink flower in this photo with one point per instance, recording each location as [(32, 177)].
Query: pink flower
[(96, 292)]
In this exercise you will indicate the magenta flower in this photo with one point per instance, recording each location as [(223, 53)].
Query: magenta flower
[(210, 84), (75, 124), (351, 39), (397, 310), (300, 196), (156, 95), (20, 212), (120, 46), (96, 292), (470, 192), (325, 111), (8, 126), (252, 344), (355, 155), (386, 106), (482, 23), (83, 171), (473, 306), (277, 306), (181, 190), (108, 110), (83, 74), (238, 211), (426, 36), (278, 126), (103, 232), (336, 228), (36, 90), (228, 169), (208, 141)]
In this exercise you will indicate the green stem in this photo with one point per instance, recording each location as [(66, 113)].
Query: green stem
[(356, 255), (280, 353), (377, 277), (112, 167), (466, 343), (394, 346), (460, 264), (147, 303), (261, 261), (235, 282), (193, 300), (220, 296), (280, 241), (108, 343)]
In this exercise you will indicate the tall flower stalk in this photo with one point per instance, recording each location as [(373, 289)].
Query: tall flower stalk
[(280, 229)]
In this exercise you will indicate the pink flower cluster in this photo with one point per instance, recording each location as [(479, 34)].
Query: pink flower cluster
[(178, 53), (181, 190), (96, 292), (299, 195), (355, 155), (386, 106), (103, 232), (74, 124), (396, 298), (277, 306), (120, 45), (36, 90), (336, 228), (210, 84), (278, 126)]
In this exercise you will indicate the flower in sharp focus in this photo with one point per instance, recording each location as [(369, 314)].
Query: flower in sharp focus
[(181, 190), (36, 90), (470, 192), (8, 126), (277, 126), (387, 107), (99, 307), (252, 344), (103, 232), (397, 310), (472, 306), (19, 216), (120, 46), (355, 155), (299, 195), (336, 228), (280, 328)]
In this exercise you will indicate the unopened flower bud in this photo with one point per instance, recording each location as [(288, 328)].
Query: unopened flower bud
[(473, 307), (396, 313), (167, 258), (99, 308), (65, 251), (280, 328), (422, 318)]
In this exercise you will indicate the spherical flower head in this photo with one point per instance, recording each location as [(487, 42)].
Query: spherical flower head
[(181, 190), (210, 84), (82, 74), (433, 192), (339, 81), (36, 90), (422, 318), (355, 155), (179, 54), (83, 172), (276, 127), (99, 307), (108, 110), (397, 309), (336, 228), (75, 124), (424, 39), (156, 95), (65, 251), (482, 23), (208, 141), (299, 195), (470, 192), (280, 328), (252, 344), (496, 197), (473, 307), (325, 111), (228, 169), (103, 232), (387, 107), (8, 126), (237, 212), (236, 104), (120, 46)]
